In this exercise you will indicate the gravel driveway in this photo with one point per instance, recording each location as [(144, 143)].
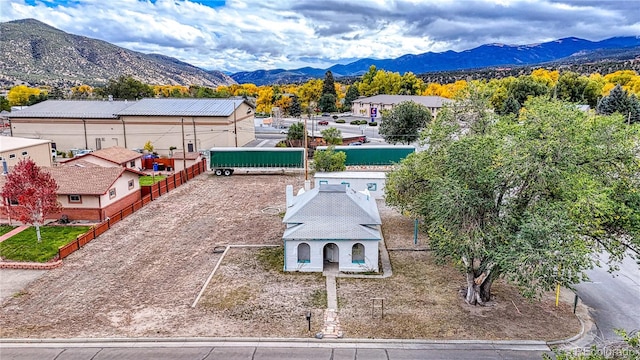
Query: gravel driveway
[(140, 278)]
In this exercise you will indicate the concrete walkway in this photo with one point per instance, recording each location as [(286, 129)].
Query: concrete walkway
[(332, 328), (13, 232)]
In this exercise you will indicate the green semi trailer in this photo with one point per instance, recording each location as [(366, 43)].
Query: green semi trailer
[(373, 154), (224, 160)]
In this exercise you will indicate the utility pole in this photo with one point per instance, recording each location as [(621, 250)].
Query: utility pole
[(306, 156), (235, 123), (184, 149), (195, 138)]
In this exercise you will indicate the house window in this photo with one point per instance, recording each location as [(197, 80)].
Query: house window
[(304, 253), (357, 254), (324, 182), (12, 156), (24, 153), (345, 183), (75, 199), (372, 186), (130, 185), (112, 193), (132, 164)]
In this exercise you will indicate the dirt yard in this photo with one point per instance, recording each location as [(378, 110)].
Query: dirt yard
[(140, 279)]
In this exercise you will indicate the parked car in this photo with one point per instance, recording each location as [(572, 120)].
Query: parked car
[(323, 122), (355, 143), (326, 114)]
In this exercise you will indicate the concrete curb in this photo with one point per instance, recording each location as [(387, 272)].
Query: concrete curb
[(30, 265), (582, 331), (280, 342)]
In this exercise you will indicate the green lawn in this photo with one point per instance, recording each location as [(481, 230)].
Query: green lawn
[(5, 229), (149, 180), (24, 246)]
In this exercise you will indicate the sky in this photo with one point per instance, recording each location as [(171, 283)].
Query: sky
[(248, 35)]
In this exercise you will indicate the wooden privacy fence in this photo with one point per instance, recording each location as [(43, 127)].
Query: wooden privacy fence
[(149, 193)]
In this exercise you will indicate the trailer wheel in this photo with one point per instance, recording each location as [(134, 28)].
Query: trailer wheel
[(228, 172), (218, 172)]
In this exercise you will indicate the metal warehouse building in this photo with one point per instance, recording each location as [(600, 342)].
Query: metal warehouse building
[(180, 124)]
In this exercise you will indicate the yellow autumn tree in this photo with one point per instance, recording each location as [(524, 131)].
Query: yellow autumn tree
[(82, 91), (433, 89), (622, 77), (19, 95), (309, 93), (547, 77), (456, 88), (264, 100)]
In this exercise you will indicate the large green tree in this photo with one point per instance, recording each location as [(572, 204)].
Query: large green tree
[(295, 109), (403, 123), (125, 87), (332, 136), (328, 86), (621, 102), (296, 131), (327, 103), (530, 200), (329, 160), (351, 95)]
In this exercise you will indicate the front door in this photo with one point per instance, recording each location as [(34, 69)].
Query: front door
[(331, 253)]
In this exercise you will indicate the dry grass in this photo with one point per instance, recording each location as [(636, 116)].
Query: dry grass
[(248, 291), (141, 277), (422, 301)]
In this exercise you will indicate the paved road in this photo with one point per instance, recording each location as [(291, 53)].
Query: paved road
[(243, 350), (613, 299)]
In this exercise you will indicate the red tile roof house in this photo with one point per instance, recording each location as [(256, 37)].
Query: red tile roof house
[(112, 156), (92, 193), (95, 193)]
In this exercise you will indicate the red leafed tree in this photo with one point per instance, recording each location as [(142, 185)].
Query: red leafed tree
[(34, 191)]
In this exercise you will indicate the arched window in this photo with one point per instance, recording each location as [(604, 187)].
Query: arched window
[(304, 253), (357, 254)]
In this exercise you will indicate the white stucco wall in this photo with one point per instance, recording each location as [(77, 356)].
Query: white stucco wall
[(357, 180), (316, 263)]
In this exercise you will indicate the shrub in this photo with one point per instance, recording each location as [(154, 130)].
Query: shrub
[(363, 122), (340, 121), (373, 123), (355, 122)]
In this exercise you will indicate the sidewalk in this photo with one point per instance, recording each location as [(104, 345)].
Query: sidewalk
[(13, 232)]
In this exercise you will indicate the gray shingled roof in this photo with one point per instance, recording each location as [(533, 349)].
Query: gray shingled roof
[(72, 109), (330, 212), (182, 107), (428, 101)]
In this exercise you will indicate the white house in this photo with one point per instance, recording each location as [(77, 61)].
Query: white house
[(331, 224), (373, 106), (14, 149), (373, 181)]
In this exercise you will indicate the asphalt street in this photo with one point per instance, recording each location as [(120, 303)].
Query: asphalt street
[(613, 298)]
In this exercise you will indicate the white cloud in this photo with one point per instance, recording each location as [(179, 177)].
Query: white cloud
[(245, 35)]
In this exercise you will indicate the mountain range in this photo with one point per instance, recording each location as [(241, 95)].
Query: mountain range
[(491, 55), (36, 53)]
